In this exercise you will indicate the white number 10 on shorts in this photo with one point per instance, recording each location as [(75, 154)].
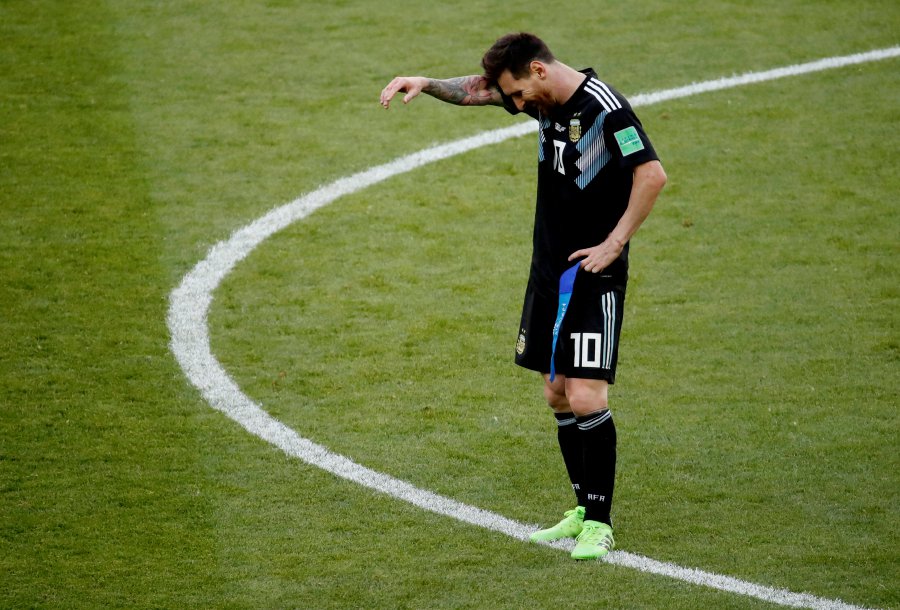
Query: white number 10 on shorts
[(591, 351)]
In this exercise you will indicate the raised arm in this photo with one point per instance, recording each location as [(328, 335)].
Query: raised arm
[(463, 90)]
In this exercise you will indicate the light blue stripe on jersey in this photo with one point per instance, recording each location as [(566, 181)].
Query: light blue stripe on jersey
[(594, 155), (544, 124)]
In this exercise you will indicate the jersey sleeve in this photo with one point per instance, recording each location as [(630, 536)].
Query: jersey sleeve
[(626, 140)]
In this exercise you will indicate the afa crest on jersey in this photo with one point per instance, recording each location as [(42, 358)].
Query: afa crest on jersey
[(574, 129)]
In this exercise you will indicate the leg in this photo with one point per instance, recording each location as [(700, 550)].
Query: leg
[(570, 445), (566, 432), (586, 396), (589, 400), (555, 393), (587, 357)]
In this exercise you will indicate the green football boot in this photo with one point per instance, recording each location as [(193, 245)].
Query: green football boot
[(594, 541), (569, 527)]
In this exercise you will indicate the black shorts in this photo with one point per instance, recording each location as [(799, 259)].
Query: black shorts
[(588, 344)]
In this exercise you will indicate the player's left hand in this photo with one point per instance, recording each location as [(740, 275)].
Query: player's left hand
[(599, 257)]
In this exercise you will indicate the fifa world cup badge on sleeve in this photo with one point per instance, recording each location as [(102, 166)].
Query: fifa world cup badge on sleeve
[(629, 141)]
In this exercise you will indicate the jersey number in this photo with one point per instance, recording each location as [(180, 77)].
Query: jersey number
[(558, 156), (587, 349)]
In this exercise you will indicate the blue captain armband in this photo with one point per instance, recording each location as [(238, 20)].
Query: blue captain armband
[(566, 285)]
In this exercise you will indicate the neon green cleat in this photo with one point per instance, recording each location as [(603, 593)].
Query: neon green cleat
[(594, 541), (569, 527)]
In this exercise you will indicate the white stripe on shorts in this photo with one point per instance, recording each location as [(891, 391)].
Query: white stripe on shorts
[(608, 303)]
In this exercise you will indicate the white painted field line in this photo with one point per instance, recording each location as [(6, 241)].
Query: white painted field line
[(189, 305), (750, 78)]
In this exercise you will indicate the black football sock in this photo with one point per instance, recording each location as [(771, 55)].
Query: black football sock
[(570, 445), (598, 441)]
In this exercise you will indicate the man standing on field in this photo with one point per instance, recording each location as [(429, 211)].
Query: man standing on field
[(598, 178)]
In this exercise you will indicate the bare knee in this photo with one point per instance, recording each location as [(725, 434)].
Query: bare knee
[(586, 396), (555, 394)]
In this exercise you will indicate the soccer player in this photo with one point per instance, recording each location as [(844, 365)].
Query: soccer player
[(598, 178)]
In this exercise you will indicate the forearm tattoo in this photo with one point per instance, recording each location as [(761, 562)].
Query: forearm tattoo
[(463, 90)]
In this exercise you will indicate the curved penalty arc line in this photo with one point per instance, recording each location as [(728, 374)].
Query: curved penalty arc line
[(189, 306)]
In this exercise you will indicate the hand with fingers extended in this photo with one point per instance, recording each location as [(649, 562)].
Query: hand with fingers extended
[(599, 257), (410, 85)]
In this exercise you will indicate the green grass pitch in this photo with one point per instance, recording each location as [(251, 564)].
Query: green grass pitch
[(758, 382)]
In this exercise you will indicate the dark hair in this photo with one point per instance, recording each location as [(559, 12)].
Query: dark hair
[(514, 52)]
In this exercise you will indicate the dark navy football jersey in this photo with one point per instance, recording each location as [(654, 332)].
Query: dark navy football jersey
[(587, 151)]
